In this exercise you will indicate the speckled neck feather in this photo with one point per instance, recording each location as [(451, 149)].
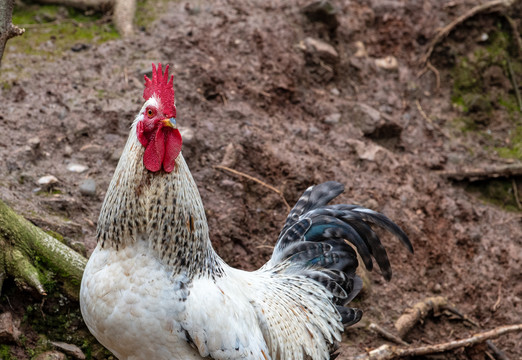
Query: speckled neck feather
[(163, 209)]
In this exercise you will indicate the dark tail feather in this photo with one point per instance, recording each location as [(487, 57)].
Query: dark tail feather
[(318, 238)]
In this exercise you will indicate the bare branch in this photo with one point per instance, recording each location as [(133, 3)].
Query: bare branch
[(484, 173), (387, 352), (7, 29)]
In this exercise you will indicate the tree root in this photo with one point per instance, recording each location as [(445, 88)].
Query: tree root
[(386, 352), (34, 258), (418, 312)]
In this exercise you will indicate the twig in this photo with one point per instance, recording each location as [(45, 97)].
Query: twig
[(497, 353), (421, 111), (387, 352), (515, 192), (514, 83), (486, 173), (452, 309), (436, 72), (242, 174), (386, 334), (514, 31), (446, 30)]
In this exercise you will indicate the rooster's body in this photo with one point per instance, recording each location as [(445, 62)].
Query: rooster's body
[(154, 288)]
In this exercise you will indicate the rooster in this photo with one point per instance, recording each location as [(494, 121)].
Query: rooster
[(154, 288)]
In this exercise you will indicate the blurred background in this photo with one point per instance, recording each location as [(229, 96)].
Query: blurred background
[(414, 105)]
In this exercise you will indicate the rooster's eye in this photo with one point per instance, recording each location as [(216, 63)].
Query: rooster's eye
[(150, 113)]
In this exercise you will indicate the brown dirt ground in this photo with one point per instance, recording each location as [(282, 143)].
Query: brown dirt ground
[(258, 102)]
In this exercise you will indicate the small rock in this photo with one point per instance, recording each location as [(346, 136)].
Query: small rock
[(361, 50), (483, 37), (47, 181), (322, 11), (68, 150), (88, 187), (77, 168), (366, 118), (51, 355), (81, 129), (320, 49), (387, 63), (69, 349), (79, 47), (372, 152), (116, 155), (332, 119), (9, 332), (187, 134), (34, 142), (335, 92), (313, 130)]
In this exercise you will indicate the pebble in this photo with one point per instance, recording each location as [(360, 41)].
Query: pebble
[(332, 119), (77, 168), (116, 154), (34, 142), (335, 92), (387, 63), (88, 187), (320, 49), (69, 349), (68, 150), (47, 181)]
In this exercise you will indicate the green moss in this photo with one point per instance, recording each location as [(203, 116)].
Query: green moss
[(55, 235), (498, 192), (52, 29), (482, 103), (509, 103), (514, 149), (5, 352), (146, 12)]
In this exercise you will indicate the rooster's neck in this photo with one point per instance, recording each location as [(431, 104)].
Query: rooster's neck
[(163, 209)]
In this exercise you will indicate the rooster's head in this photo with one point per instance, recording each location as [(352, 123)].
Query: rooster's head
[(156, 127)]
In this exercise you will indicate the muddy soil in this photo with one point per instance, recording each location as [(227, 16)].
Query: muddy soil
[(291, 100)]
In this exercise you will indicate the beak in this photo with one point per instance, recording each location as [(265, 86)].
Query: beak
[(170, 123)]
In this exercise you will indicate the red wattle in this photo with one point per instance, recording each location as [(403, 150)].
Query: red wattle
[(172, 149), (163, 149), (155, 152)]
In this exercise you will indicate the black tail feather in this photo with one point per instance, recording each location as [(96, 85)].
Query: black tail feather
[(318, 237)]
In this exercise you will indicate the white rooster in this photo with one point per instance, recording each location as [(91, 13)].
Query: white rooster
[(154, 288)]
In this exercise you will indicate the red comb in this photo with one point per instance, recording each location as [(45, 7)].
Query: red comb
[(162, 88)]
